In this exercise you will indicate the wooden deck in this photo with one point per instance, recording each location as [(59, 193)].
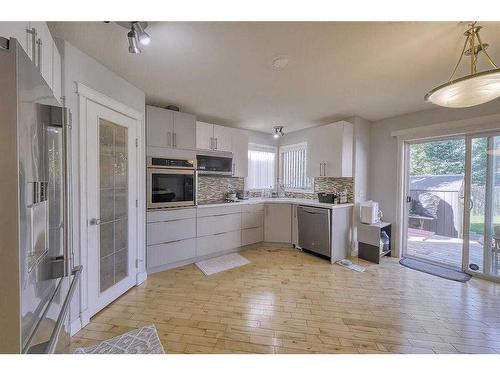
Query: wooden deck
[(442, 249), (286, 301)]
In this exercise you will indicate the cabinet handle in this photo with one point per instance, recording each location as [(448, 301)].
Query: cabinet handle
[(211, 146), (175, 139), (32, 31), (216, 143), (320, 170), (233, 169), (39, 43), (169, 139)]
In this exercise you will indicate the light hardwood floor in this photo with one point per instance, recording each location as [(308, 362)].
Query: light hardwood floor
[(287, 301)]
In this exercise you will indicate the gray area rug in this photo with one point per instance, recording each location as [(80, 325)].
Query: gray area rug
[(433, 269), (143, 340)]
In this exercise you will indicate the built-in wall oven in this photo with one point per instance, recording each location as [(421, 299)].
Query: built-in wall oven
[(171, 182)]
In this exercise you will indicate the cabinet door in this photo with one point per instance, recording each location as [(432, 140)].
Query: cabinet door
[(184, 131), (204, 135), (43, 55), (315, 152), (56, 73), (338, 157), (223, 138), (159, 126), (19, 31), (278, 222), (240, 153)]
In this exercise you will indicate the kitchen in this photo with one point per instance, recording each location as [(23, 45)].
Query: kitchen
[(241, 187), (198, 206)]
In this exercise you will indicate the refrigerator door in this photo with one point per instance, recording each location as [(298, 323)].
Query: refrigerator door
[(30, 200)]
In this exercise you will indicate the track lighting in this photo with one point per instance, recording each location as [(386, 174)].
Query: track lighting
[(143, 36), (278, 131), (133, 47), (136, 35)]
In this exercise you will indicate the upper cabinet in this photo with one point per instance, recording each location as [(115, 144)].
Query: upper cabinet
[(172, 129), (329, 150), (240, 152), (213, 137), (37, 42)]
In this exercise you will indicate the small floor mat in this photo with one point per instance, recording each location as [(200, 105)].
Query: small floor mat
[(434, 269), (222, 263), (143, 340)]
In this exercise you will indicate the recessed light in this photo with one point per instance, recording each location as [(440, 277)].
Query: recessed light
[(279, 63)]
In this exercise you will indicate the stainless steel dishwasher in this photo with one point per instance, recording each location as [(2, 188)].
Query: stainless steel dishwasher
[(315, 229)]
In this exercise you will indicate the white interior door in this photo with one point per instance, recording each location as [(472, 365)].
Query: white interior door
[(111, 204)]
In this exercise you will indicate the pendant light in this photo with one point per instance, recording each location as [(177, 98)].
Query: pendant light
[(476, 87)]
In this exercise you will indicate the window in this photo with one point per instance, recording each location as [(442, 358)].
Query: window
[(293, 168), (261, 167)]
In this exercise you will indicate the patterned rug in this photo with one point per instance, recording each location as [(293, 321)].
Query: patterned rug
[(222, 263), (143, 340)]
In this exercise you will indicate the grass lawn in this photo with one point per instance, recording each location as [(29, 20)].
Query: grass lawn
[(477, 223)]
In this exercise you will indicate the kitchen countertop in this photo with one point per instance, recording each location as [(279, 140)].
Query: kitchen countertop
[(304, 202)]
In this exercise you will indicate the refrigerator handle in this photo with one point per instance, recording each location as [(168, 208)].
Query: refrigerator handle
[(66, 195)]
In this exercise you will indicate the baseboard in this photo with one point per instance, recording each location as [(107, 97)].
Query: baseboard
[(141, 277), (80, 322)]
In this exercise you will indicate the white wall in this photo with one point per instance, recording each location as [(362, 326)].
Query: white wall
[(79, 67), (361, 162), (383, 186)]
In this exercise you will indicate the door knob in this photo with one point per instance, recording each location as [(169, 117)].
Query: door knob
[(95, 221)]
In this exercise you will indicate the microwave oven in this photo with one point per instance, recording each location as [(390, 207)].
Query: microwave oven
[(220, 163)]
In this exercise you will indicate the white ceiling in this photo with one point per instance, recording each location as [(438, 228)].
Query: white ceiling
[(222, 71)]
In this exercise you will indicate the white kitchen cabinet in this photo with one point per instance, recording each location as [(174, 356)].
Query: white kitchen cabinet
[(250, 236), (18, 30), (170, 129), (213, 137), (44, 51), (329, 150), (184, 136), (278, 222), (168, 231), (159, 126), (204, 135), (170, 252), (240, 152), (252, 219), (218, 224), (217, 243), (223, 137), (37, 42)]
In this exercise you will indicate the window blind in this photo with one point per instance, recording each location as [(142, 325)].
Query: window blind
[(261, 167), (293, 171)]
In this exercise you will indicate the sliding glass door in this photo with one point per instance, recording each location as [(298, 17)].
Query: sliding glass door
[(453, 202), (482, 219), (435, 178)]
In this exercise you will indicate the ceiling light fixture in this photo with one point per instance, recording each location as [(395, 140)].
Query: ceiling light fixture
[(476, 87), (133, 46), (143, 36), (278, 131), (136, 35)]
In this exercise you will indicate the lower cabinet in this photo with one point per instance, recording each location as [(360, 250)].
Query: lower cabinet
[(278, 222), (217, 242), (168, 231), (252, 235), (171, 252)]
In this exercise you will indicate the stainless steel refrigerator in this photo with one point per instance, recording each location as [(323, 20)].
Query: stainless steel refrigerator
[(36, 275)]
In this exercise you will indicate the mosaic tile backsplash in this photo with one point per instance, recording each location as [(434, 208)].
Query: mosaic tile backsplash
[(213, 189), (322, 185)]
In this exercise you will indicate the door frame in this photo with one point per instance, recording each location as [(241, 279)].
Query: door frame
[(86, 94), (471, 128), (406, 189)]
